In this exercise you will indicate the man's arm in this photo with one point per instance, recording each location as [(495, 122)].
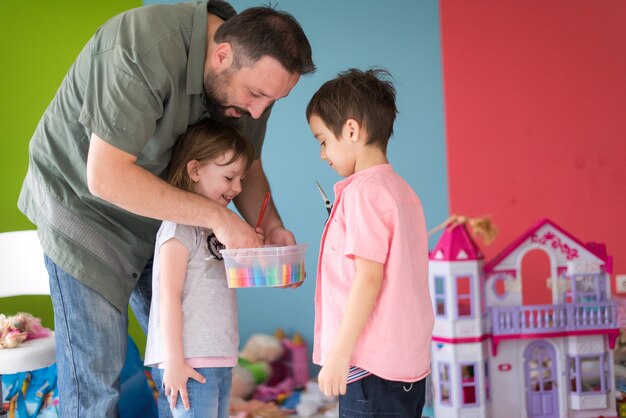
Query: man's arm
[(249, 203), (112, 175), (361, 300)]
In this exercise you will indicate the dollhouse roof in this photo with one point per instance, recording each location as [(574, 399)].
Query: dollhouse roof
[(456, 244), (594, 248)]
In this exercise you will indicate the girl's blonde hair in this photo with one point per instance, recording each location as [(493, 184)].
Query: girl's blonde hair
[(204, 141)]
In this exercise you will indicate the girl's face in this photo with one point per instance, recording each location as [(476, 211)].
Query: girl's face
[(338, 152), (218, 182)]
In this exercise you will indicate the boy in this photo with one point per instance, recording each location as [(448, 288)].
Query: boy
[(373, 313)]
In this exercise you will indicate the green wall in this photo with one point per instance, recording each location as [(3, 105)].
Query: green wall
[(38, 43)]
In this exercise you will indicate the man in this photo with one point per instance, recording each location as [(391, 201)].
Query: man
[(94, 186)]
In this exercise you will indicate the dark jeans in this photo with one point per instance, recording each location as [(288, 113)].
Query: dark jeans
[(375, 397)]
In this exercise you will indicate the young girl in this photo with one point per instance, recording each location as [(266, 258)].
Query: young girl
[(193, 333)]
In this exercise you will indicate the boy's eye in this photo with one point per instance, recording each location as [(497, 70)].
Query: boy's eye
[(228, 178), (254, 94), (322, 144)]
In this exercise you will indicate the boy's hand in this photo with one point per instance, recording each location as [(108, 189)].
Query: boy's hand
[(333, 378), (175, 382)]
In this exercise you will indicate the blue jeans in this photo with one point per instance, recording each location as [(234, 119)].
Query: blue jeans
[(210, 399), (91, 343), (375, 397)]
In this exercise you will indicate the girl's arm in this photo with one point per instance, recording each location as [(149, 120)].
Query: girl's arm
[(173, 257), (363, 295)]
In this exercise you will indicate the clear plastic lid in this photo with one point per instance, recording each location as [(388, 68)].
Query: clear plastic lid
[(265, 251)]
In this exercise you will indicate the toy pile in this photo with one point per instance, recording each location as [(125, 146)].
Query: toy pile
[(271, 379)]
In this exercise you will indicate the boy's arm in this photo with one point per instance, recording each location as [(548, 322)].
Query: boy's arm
[(173, 258), (363, 295)]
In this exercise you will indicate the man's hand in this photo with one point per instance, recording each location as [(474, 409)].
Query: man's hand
[(234, 232), (279, 236)]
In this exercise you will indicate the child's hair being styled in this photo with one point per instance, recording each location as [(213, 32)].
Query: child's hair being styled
[(368, 97), (203, 141)]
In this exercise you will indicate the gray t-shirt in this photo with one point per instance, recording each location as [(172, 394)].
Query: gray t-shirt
[(138, 85), (209, 306)]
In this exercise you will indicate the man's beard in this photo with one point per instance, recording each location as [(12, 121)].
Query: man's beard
[(215, 96)]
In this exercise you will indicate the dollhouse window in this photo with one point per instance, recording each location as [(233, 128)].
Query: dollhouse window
[(464, 296), (499, 286), (444, 384), (587, 287), (589, 374), (468, 384), (440, 296)]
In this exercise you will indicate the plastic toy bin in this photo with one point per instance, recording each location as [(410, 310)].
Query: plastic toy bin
[(268, 266)]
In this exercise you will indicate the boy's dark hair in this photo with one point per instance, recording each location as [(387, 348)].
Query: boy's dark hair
[(203, 141), (260, 31), (368, 97)]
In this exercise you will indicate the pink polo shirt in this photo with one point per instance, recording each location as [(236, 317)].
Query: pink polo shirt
[(377, 216)]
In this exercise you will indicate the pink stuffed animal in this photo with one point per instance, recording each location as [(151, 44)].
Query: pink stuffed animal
[(18, 328)]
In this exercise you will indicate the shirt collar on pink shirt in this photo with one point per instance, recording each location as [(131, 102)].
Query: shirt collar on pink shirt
[(340, 185)]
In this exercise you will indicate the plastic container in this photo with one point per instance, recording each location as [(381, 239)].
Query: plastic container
[(269, 266)]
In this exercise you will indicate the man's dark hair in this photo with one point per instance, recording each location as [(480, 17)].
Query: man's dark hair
[(368, 97), (261, 31)]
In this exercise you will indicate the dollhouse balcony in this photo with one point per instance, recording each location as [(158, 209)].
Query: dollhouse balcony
[(544, 321)]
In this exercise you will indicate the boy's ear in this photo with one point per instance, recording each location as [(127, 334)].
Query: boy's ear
[(222, 56), (192, 170), (352, 130)]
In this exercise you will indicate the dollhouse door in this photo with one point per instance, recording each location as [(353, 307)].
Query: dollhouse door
[(540, 373)]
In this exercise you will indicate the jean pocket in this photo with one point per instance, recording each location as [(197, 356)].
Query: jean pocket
[(393, 386)]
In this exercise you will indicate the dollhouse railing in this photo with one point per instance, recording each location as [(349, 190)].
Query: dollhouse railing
[(546, 319)]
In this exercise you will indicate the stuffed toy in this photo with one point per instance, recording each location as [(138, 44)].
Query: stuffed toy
[(18, 328), (254, 369)]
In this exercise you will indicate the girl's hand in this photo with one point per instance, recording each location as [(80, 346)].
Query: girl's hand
[(175, 383), (260, 234), (333, 378)]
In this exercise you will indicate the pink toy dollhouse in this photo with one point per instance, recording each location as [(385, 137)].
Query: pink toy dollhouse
[(528, 334)]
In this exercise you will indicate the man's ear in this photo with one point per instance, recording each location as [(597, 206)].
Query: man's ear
[(352, 130), (192, 170), (222, 56)]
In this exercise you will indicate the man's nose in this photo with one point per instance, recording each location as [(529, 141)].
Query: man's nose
[(257, 107)]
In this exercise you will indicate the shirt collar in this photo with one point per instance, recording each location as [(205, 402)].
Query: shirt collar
[(339, 186)]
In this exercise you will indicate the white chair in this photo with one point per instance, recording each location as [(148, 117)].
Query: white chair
[(22, 272)]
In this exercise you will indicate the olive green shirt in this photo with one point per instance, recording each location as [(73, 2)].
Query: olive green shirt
[(138, 85)]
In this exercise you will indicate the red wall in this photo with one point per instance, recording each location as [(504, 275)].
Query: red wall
[(535, 97)]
